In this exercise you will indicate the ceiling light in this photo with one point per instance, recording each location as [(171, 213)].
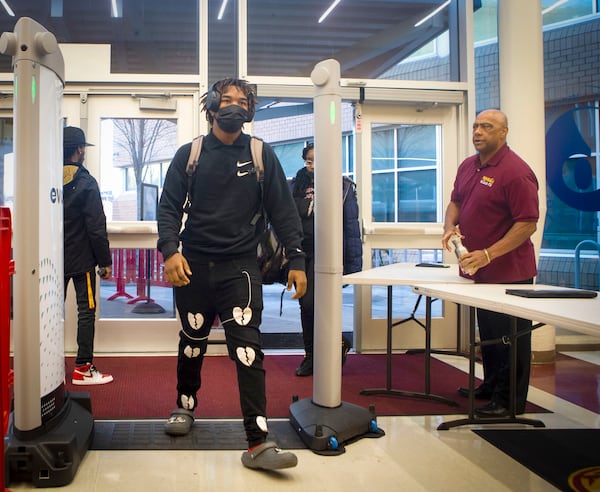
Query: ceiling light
[(435, 12), (116, 8), (222, 9), (9, 11), (328, 11)]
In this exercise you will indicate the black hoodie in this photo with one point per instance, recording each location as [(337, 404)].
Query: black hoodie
[(225, 198)]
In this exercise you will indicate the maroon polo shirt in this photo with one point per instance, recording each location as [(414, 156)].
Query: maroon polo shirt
[(491, 199)]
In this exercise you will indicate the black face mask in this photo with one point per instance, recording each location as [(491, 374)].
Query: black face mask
[(231, 118)]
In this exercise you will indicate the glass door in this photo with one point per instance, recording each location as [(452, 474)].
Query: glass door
[(407, 156), (135, 138)]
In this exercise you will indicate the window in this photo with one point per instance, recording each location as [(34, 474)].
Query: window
[(290, 156), (403, 296), (134, 151), (137, 287), (572, 165), (289, 126), (553, 12), (147, 37), (405, 165)]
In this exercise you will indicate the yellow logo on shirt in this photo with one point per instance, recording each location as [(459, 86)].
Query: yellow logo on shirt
[(487, 181)]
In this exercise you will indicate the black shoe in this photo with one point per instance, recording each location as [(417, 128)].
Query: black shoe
[(346, 346), (480, 393), (306, 368), (492, 410)]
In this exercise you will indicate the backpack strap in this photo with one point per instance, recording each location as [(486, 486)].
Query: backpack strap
[(256, 148), (190, 169)]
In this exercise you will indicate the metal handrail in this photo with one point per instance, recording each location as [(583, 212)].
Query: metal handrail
[(578, 249)]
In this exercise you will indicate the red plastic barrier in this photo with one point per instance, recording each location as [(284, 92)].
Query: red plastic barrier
[(7, 268), (118, 273), (142, 274), (141, 267)]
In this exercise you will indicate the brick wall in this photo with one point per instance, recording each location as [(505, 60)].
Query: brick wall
[(571, 67), (572, 62), (298, 127), (555, 270)]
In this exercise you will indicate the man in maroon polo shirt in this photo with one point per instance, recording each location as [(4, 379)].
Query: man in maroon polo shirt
[(494, 209)]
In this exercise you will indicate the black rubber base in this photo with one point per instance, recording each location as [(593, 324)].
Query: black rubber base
[(326, 430), (50, 457)]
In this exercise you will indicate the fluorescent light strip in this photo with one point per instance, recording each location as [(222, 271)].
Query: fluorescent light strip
[(222, 10), (435, 12), (9, 11), (115, 10), (328, 11), (553, 6)]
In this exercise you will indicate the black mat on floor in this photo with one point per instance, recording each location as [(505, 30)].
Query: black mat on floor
[(209, 434), (567, 458)]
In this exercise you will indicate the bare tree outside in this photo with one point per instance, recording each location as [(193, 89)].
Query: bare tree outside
[(144, 142)]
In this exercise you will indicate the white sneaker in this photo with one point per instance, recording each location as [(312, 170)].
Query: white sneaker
[(88, 375)]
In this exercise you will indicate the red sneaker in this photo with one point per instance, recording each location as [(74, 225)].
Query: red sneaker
[(88, 375)]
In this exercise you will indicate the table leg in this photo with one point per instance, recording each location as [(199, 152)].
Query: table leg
[(458, 350), (390, 325), (511, 418)]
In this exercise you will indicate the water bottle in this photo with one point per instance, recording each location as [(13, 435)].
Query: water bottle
[(459, 248)]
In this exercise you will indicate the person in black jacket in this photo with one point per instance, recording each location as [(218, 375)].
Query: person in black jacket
[(85, 247), (216, 272), (303, 191)]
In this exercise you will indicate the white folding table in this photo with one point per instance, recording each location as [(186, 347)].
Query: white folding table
[(581, 315), (407, 274)]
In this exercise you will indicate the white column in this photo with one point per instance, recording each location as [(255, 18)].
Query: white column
[(521, 67)]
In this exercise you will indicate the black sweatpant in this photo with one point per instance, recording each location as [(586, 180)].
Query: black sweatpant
[(85, 294), (232, 290), (496, 357)]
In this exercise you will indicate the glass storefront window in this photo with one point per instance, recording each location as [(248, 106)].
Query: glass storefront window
[(289, 127), (382, 33), (572, 167), (485, 22), (150, 37), (290, 157), (222, 41), (553, 12)]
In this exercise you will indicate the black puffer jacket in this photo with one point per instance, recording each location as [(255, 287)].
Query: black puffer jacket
[(86, 240), (303, 187)]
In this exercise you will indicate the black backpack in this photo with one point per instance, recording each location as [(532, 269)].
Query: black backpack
[(270, 253)]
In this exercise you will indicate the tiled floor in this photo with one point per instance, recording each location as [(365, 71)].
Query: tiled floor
[(412, 456)]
